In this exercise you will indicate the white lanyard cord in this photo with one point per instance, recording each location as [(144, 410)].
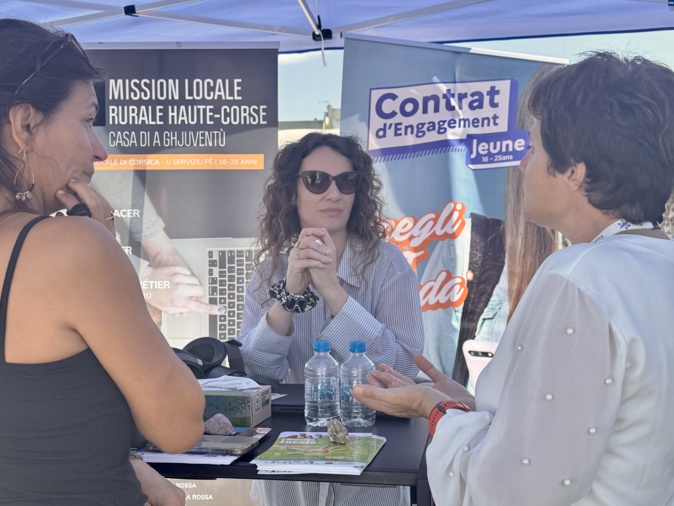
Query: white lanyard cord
[(622, 225)]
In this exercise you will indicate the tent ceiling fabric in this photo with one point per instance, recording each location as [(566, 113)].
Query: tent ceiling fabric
[(284, 22)]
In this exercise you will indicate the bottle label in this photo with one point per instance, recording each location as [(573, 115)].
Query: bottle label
[(347, 386), (323, 390)]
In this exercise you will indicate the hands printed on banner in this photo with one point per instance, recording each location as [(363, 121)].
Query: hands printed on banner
[(169, 285), (167, 282)]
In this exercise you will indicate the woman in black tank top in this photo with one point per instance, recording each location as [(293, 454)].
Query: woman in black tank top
[(81, 361)]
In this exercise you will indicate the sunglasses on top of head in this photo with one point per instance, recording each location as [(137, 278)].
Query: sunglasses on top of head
[(50, 55), (317, 181)]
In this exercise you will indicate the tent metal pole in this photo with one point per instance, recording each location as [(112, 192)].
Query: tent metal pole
[(93, 6), (310, 17), (105, 11), (228, 23), (404, 16)]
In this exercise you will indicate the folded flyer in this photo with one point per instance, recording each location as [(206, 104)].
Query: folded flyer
[(313, 452), (211, 450), (188, 458)]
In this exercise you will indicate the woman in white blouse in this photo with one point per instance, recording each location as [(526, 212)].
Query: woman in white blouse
[(577, 406)]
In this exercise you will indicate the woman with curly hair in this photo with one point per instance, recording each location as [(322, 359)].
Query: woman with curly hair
[(328, 274), (322, 238)]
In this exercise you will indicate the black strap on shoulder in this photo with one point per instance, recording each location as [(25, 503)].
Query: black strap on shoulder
[(4, 297)]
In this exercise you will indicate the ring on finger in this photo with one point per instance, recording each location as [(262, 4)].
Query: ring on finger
[(316, 240), (111, 217)]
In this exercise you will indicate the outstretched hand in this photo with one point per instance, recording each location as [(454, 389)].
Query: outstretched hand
[(393, 380), (388, 377), (410, 401), (443, 383)]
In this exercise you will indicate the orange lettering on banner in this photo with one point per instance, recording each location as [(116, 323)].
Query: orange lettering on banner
[(443, 292), (413, 235), (182, 161)]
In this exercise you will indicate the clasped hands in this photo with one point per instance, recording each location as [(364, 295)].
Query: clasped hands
[(313, 260), (403, 397)]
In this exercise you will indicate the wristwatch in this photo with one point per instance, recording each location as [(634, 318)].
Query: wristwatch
[(440, 410)]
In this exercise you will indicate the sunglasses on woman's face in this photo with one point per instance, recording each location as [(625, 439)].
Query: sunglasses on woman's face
[(317, 181)]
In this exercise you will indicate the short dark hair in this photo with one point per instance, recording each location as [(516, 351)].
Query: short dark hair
[(279, 220), (615, 114), (25, 45)]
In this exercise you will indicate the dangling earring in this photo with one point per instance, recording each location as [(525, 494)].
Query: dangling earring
[(28, 193)]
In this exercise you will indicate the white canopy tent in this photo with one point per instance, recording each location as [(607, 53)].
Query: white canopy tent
[(291, 23)]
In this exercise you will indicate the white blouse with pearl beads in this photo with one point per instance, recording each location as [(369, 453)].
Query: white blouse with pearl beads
[(577, 406)]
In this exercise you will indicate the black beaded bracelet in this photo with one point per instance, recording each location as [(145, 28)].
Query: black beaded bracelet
[(291, 302)]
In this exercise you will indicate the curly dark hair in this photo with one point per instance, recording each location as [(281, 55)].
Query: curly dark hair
[(25, 47), (279, 220), (616, 115)]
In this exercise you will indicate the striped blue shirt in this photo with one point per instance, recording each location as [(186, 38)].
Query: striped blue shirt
[(383, 310)]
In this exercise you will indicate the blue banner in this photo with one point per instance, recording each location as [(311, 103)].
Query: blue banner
[(443, 126)]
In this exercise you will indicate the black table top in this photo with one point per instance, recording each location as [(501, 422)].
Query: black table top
[(399, 462)]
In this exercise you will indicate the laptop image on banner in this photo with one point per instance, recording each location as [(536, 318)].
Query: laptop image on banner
[(223, 266)]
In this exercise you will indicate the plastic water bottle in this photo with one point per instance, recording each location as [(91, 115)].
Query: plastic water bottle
[(353, 372), (321, 386)]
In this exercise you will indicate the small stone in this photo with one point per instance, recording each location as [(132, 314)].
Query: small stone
[(218, 425), (337, 432)]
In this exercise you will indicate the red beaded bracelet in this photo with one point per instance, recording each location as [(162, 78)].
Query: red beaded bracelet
[(439, 411)]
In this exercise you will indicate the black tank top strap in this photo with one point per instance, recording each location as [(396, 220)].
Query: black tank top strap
[(8, 281)]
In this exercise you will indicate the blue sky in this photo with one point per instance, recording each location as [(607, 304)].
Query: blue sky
[(306, 87)]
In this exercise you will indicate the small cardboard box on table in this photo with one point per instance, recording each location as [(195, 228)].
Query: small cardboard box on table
[(244, 408)]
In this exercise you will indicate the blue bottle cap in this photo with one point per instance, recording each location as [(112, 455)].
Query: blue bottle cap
[(320, 346), (357, 346)]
